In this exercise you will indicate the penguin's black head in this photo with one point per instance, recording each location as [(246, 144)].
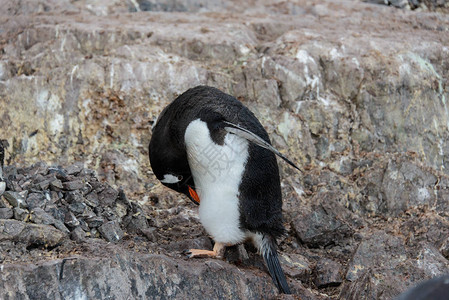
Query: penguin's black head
[(182, 184), (170, 165), (178, 179)]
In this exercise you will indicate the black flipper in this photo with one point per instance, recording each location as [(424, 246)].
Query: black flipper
[(254, 138), (270, 255)]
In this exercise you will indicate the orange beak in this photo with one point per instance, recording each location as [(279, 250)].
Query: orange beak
[(194, 195)]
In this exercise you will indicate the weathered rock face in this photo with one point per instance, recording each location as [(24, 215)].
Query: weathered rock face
[(360, 105), (121, 275)]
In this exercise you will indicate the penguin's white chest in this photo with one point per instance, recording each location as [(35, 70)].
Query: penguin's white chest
[(217, 171)]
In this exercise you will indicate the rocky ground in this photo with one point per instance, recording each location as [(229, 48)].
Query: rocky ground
[(354, 92)]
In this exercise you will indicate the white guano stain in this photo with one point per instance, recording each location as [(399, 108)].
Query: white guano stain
[(111, 75), (71, 75)]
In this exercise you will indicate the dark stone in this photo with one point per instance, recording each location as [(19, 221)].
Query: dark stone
[(55, 196), (39, 216), (57, 212), (37, 178), (296, 266), (321, 226), (77, 208), (109, 213), (111, 231), (98, 210), (74, 197), (328, 273), (430, 261), (26, 184), (88, 213), (16, 199), (70, 220), (86, 189), (21, 214), (43, 182), (122, 197), (91, 199), (6, 213), (60, 173), (11, 229), (73, 185), (78, 235), (30, 234), (150, 233), (84, 225), (366, 287), (56, 185), (236, 254), (96, 185), (86, 173), (75, 168), (60, 225), (136, 224), (35, 200), (94, 222), (108, 196), (11, 177)]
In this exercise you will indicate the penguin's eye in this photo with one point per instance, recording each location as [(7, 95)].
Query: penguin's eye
[(170, 178)]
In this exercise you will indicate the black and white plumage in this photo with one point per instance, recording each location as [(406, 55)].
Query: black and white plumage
[(210, 147)]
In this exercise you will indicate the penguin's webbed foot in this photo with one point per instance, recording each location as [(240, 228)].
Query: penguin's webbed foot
[(200, 253), (218, 252)]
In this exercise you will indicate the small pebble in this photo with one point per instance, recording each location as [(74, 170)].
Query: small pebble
[(73, 185), (111, 231), (78, 235), (21, 214)]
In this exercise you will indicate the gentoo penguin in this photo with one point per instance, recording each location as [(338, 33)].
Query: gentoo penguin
[(210, 147)]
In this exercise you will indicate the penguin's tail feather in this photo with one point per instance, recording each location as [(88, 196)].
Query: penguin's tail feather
[(270, 255)]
